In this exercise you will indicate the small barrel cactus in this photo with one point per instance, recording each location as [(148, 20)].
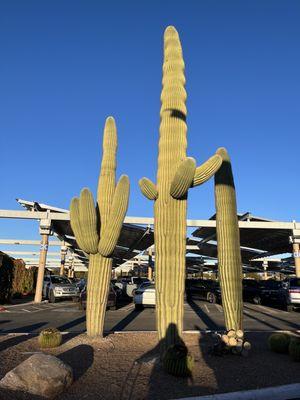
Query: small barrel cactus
[(294, 349), (49, 337), (177, 361), (279, 342)]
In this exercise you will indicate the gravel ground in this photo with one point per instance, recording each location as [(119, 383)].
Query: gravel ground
[(121, 367)]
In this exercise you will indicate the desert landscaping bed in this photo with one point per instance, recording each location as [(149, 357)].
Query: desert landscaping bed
[(122, 366)]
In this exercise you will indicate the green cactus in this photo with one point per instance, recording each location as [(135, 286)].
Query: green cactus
[(177, 361), (98, 229), (279, 342), (228, 238), (294, 349), (175, 175), (49, 337)]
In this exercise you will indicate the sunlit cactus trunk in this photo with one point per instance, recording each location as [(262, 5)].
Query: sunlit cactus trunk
[(175, 175), (170, 213), (97, 229), (229, 252)]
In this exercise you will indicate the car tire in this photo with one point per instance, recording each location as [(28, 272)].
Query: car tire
[(257, 300), (289, 308), (139, 307), (52, 298), (211, 298), (113, 308)]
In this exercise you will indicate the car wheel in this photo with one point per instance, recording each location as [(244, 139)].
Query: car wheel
[(289, 308), (139, 307), (257, 300), (52, 297), (211, 297), (113, 308)]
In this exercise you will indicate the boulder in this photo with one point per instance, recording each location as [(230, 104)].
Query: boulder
[(41, 374)]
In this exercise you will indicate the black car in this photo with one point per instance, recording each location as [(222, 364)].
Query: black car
[(266, 292), (203, 289)]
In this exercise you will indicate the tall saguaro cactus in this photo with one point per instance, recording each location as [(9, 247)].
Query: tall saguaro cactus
[(97, 229), (175, 175), (228, 238)]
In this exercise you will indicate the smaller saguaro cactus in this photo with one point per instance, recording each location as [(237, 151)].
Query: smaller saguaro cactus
[(97, 229), (279, 342), (49, 337), (178, 361), (228, 238)]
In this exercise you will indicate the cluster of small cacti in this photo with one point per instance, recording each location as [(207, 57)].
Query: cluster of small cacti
[(97, 229), (49, 337), (178, 361), (285, 343), (231, 342)]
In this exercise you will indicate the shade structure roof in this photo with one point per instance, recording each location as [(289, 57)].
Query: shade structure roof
[(132, 241), (269, 241)]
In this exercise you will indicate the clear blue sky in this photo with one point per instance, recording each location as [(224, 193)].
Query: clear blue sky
[(67, 65)]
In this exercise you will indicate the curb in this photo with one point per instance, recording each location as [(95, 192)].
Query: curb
[(284, 392)]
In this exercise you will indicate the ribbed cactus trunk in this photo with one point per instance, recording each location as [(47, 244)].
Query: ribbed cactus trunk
[(97, 293), (228, 237), (97, 229), (170, 213), (175, 175)]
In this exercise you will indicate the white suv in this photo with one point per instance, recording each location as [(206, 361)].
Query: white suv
[(58, 287)]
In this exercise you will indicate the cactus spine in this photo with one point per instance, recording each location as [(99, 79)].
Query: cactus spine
[(175, 175), (228, 238), (98, 229)]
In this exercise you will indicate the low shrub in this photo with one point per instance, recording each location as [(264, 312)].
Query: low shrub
[(279, 342), (294, 349)]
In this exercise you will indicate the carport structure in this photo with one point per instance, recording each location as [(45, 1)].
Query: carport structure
[(260, 237)]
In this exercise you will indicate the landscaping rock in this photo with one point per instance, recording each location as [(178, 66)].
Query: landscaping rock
[(40, 374)]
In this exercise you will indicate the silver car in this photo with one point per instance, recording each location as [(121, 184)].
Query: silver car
[(59, 287)]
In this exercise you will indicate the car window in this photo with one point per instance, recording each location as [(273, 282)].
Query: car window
[(60, 279), (295, 282)]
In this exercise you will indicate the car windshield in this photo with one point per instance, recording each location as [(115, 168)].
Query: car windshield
[(138, 281), (271, 285), (295, 282), (60, 279)]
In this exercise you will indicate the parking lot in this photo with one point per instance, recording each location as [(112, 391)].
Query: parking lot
[(199, 315)]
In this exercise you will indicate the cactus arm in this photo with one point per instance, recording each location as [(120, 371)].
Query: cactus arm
[(148, 188), (205, 171), (106, 183), (183, 178), (88, 221), (75, 223), (118, 210)]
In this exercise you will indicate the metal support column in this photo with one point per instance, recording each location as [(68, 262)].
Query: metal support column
[(150, 275), (63, 253), (296, 253), (45, 231), (265, 267)]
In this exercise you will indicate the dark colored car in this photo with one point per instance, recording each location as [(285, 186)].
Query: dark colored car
[(203, 289), (266, 292), (111, 301)]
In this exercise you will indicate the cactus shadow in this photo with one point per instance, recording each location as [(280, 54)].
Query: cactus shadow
[(204, 317), (80, 358), (126, 321), (161, 385)]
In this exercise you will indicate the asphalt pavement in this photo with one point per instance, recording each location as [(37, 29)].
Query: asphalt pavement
[(199, 316)]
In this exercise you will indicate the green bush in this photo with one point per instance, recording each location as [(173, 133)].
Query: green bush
[(294, 349), (177, 361), (50, 337), (279, 342)]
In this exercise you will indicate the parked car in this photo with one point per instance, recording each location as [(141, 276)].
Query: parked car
[(144, 296), (81, 284), (292, 285), (129, 284), (59, 287), (203, 289), (252, 291), (112, 300)]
